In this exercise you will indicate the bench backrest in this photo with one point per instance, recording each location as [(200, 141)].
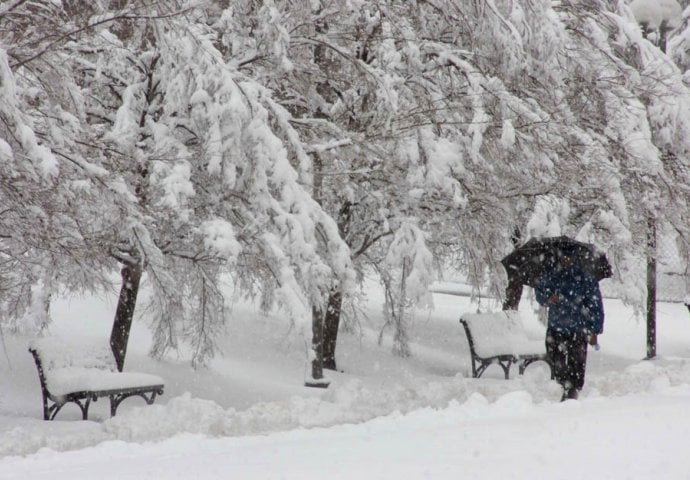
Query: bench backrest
[(56, 353), (496, 333)]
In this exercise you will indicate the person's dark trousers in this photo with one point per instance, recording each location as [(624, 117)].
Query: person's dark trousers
[(567, 355)]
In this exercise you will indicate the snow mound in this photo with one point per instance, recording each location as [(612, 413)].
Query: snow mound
[(347, 402), (351, 402), (643, 377)]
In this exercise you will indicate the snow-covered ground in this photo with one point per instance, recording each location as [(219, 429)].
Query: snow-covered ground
[(248, 415)]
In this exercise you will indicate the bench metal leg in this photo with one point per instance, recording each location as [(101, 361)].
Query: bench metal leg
[(528, 361), (53, 411), (523, 365), (505, 365), (475, 373), (49, 413), (85, 410), (46, 410), (116, 400)]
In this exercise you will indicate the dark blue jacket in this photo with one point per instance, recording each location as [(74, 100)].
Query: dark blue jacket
[(580, 308)]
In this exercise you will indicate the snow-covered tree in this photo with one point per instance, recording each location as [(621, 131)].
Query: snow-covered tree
[(464, 116), (46, 173), (194, 149), (280, 142)]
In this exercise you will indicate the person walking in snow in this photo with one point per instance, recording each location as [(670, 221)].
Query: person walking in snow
[(575, 319)]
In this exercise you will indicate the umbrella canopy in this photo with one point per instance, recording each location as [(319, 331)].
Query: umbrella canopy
[(528, 262)]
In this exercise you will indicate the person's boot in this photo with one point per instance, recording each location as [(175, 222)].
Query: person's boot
[(570, 394)]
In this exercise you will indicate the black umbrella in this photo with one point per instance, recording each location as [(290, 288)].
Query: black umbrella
[(528, 262)]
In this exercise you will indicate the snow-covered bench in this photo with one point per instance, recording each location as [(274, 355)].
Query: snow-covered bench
[(81, 373), (500, 337)]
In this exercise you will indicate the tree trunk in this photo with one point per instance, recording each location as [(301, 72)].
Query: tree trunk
[(651, 242), (401, 340), (331, 325), (651, 290), (119, 336), (514, 288), (513, 295), (317, 379)]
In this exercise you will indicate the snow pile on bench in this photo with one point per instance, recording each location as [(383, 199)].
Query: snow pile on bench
[(89, 366), (500, 333)]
